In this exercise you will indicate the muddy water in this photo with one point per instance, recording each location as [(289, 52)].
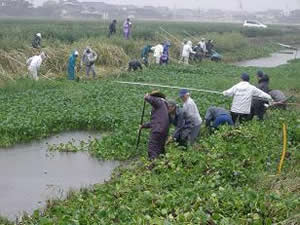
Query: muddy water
[(276, 59), (29, 175)]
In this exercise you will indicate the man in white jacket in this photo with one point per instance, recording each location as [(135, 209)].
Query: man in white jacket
[(34, 63), (158, 51), (242, 94), (186, 51)]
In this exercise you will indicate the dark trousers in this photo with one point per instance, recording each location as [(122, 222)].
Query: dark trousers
[(258, 109), (156, 145), (240, 117)]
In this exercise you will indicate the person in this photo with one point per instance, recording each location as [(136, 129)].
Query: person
[(183, 43), (187, 50), (37, 40), (34, 63), (134, 65), (279, 99), (217, 116), (192, 114), (164, 59), (242, 94), (203, 46), (258, 105), (183, 126), (127, 25), (159, 124), (145, 54), (72, 65), (209, 47), (158, 51), (112, 28), (89, 58)]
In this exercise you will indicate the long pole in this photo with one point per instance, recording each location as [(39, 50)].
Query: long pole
[(283, 149), (167, 86), (140, 130)]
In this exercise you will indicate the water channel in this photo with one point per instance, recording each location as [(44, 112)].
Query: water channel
[(30, 175), (276, 59)]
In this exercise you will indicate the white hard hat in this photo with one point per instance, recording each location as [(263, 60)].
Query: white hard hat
[(76, 53), (39, 35)]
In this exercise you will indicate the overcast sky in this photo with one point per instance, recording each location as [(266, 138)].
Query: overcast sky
[(251, 5)]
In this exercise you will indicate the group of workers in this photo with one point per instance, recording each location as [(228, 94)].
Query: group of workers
[(88, 60), (248, 101)]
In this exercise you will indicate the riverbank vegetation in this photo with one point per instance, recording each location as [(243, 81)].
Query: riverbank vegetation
[(60, 38), (227, 178)]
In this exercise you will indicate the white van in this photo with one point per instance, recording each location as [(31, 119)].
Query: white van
[(254, 24)]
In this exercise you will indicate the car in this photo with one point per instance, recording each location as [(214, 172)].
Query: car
[(254, 24)]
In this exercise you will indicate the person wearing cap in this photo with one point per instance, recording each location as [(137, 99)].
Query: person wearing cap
[(72, 65), (36, 42), (187, 50), (158, 51), (191, 114), (127, 25), (159, 124), (164, 59), (134, 65), (145, 54), (202, 45), (258, 105), (89, 58), (182, 125), (34, 63), (112, 28), (242, 94), (217, 116)]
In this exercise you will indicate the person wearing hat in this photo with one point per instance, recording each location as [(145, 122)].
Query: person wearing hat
[(191, 114), (72, 65), (89, 58), (258, 105), (202, 45), (36, 42), (182, 125), (159, 124), (164, 59), (34, 63), (217, 116), (242, 94), (187, 50)]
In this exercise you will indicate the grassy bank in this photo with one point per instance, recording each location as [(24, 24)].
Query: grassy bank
[(60, 38), (227, 178)]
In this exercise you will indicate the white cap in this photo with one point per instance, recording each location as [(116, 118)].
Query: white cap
[(39, 35), (76, 53), (203, 39)]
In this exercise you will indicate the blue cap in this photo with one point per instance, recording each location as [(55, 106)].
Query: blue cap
[(183, 92), (260, 73), (245, 77)]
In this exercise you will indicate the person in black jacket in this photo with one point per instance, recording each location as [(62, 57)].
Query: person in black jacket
[(134, 65), (258, 105), (112, 28), (159, 124)]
